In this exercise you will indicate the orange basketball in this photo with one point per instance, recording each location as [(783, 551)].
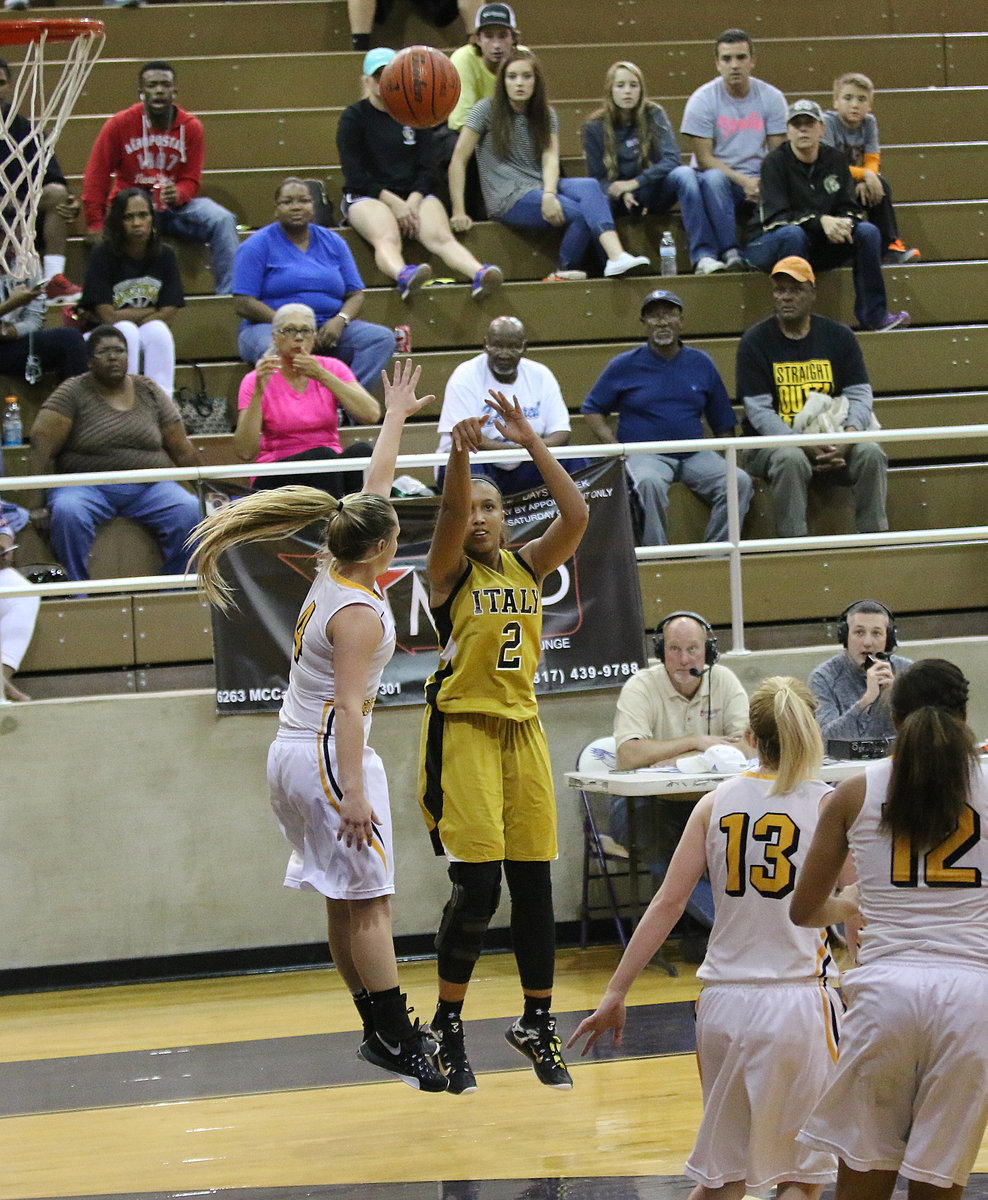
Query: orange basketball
[(420, 87)]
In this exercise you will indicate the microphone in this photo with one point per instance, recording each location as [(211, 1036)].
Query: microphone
[(698, 674)]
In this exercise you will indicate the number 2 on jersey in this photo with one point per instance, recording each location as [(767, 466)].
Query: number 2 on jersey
[(775, 878), (509, 658)]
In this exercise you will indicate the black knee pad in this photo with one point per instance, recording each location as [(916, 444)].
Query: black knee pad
[(468, 912)]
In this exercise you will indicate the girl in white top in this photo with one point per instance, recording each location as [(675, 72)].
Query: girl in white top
[(328, 787), (767, 1023), (911, 1092)]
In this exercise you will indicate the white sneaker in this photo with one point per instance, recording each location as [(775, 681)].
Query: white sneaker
[(708, 265), (734, 260), (623, 263)]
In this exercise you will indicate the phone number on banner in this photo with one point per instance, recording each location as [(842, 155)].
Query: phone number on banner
[(614, 670)]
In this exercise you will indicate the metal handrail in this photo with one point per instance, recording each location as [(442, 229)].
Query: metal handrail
[(734, 548)]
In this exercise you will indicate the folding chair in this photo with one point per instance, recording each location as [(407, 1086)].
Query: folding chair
[(603, 858)]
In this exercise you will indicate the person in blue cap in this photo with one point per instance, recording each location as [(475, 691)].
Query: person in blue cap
[(661, 392), (389, 190)]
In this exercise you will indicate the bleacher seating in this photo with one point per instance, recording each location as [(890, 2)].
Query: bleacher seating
[(269, 110)]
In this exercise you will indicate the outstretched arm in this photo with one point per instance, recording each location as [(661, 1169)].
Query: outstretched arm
[(668, 904), (447, 559), (560, 540), (400, 403)]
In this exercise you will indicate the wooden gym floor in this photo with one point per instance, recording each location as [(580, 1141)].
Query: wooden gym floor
[(249, 1088)]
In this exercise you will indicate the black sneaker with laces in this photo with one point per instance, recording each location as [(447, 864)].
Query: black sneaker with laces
[(453, 1061), (411, 1060), (540, 1044)]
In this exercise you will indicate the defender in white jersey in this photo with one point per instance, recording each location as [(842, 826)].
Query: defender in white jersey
[(328, 787), (767, 1023), (911, 1092)]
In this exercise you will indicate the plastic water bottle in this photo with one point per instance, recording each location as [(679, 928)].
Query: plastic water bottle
[(667, 255), (13, 428)]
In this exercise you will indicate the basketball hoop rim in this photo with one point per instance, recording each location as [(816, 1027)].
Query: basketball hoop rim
[(21, 31)]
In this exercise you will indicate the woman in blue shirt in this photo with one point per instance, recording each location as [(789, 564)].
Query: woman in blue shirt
[(295, 261)]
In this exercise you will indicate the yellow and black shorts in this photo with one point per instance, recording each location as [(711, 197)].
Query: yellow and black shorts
[(485, 787)]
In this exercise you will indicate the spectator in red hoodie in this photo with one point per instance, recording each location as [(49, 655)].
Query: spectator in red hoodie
[(158, 146)]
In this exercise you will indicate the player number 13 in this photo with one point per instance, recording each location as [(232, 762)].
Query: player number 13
[(779, 833)]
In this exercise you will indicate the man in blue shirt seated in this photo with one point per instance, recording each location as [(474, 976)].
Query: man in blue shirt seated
[(661, 391)]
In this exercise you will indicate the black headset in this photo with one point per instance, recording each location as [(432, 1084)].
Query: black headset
[(710, 652), (891, 636)]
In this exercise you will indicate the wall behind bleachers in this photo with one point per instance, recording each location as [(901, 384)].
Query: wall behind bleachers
[(140, 827)]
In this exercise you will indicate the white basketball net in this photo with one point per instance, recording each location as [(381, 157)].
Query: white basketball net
[(23, 164)]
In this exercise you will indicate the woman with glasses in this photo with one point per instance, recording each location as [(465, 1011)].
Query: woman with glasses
[(289, 406), (293, 260)]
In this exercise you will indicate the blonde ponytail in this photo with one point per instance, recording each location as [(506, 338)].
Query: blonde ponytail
[(354, 524), (781, 716)]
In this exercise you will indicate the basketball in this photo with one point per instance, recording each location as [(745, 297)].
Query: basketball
[(420, 87)]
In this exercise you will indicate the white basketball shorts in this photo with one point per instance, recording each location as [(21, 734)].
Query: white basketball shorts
[(305, 794), (766, 1052)]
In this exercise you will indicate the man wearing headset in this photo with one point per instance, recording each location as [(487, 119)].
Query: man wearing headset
[(684, 705), (158, 146), (852, 688)]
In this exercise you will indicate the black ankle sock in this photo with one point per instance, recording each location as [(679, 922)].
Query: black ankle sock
[(536, 1007), (363, 1004), (361, 41), (390, 1015), (448, 1008)]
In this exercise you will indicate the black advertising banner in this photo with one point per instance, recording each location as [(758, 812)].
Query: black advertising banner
[(592, 623)]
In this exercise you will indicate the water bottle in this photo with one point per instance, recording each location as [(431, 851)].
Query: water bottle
[(667, 255), (13, 428)]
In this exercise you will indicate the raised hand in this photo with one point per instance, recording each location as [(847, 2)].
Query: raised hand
[(308, 365), (509, 420), (468, 434), (266, 365), (399, 392)]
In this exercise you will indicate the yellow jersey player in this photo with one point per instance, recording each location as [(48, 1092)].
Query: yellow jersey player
[(485, 780)]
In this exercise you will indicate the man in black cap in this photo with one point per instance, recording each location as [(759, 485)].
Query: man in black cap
[(809, 209), (661, 391)]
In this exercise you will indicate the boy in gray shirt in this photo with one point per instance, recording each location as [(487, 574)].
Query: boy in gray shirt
[(850, 127)]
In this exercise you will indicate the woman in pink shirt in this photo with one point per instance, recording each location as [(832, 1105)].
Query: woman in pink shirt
[(289, 407)]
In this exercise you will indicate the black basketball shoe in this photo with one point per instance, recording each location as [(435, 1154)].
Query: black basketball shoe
[(411, 1060), (540, 1044), (448, 1032)]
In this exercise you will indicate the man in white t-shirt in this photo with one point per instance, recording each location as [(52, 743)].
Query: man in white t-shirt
[(732, 122), (504, 368)]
